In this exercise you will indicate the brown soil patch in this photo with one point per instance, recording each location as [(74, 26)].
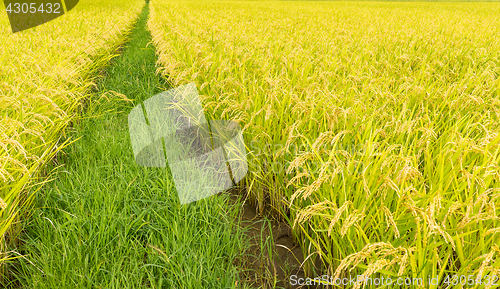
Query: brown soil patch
[(273, 255)]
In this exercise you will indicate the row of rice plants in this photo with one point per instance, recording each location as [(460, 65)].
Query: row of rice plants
[(46, 73), (373, 127)]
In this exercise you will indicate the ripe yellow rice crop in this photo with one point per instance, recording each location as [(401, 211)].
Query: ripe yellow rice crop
[(373, 127), (45, 74)]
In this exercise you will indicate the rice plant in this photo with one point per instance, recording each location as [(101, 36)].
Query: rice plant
[(373, 127), (46, 74)]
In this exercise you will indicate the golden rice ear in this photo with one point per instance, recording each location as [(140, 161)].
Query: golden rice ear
[(422, 125), (46, 73)]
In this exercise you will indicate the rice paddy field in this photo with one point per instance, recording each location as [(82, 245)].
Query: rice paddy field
[(372, 130), (44, 76), (373, 127), (77, 211)]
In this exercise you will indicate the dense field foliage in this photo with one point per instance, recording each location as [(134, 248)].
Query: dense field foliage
[(45, 74), (373, 127)]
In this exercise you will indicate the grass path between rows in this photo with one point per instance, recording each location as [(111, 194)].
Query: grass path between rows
[(105, 222)]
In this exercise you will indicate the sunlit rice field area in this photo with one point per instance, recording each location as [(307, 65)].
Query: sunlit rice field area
[(372, 127), (45, 74), (372, 130)]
